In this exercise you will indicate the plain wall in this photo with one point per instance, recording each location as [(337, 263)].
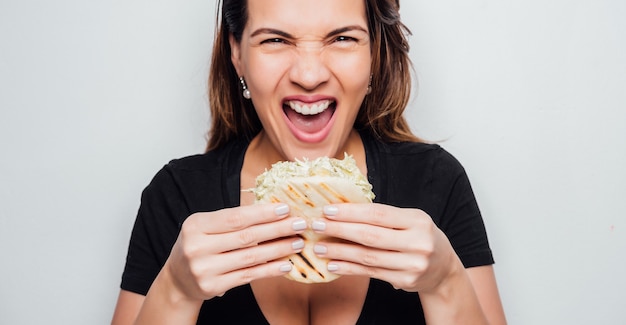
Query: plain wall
[(95, 96)]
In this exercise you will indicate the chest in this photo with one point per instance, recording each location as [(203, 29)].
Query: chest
[(287, 302)]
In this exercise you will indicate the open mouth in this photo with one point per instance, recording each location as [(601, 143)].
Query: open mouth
[(309, 118), (309, 109)]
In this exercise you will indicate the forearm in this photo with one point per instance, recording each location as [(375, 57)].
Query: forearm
[(454, 301), (164, 304)]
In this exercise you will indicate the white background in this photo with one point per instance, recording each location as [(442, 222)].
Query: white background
[(95, 96)]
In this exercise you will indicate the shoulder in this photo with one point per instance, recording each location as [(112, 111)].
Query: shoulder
[(412, 173), (207, 161), (203, 182), (420, 156), (201, 169), (406, 149), (211, 162)]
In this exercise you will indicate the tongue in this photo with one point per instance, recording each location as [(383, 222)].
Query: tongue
[(309, 123)]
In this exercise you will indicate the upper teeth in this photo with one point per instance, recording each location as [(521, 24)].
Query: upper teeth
[(306, 109)]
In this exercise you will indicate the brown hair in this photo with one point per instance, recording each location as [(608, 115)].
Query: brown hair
[(381, 112)]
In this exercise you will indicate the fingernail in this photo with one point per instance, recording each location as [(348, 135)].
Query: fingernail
[(285, 267), (318, 225), (320, 249), (332, 267), (281, 210), (330, 210), (297, 244), (299, 224)]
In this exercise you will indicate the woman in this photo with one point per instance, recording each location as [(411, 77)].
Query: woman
[(309, 78)]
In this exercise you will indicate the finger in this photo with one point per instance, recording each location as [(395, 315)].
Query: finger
[(247, 275), (206, 271), (216, 286), (231, 219), (263, 253), (368, 257), (374, 214), (364, 234), (398, 279), (254, 235)]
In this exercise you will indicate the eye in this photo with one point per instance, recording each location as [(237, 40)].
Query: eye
[(345, 39), (275, 40), (344, 42)]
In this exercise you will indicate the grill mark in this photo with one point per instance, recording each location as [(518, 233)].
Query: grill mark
[(299, 195), (335, 194), (293, 195), (310, 265), (301, 272), (317, 191), (305, 190), (299, 269)]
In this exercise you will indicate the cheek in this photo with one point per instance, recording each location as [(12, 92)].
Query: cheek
[(265, 71), (352, 71)]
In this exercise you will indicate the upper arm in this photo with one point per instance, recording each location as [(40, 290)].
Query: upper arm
[(127, 308), (484, 281)]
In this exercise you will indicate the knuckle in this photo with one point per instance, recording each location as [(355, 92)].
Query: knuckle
[(377, 214), (188, 227), (408, 281), (371, 272), (197, 271), (418, 265), (247, 275), (190, 250), (246, 237), (370, 236), (235, 220), (369, 259), (429, 249), (187, 247), (249, 258), (413, 246), (421, 219), (208, 287), (424, 247)]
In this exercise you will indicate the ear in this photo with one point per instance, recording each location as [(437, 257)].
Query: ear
[(235, 54)]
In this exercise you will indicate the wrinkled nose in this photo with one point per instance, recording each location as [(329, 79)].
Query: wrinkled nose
[(309, 69)]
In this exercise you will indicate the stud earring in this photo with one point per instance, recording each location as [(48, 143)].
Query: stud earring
[(246, 92)]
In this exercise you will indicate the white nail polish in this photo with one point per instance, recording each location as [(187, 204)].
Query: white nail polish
[(297, 244), (318, 225), (332, 267), (281, 210), (320, 249), (299, 224), (285, 267), (330, 210)]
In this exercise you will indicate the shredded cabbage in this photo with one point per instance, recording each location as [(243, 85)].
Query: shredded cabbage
[(323, 166)]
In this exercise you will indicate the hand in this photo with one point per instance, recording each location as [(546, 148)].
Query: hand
[(397, 245), (217, 251)]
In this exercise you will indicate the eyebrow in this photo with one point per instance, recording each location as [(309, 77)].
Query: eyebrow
[(287, 35)]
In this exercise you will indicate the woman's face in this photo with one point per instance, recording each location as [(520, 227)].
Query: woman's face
[(307, 66)]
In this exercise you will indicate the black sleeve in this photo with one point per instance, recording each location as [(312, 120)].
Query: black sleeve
[(460, 217), (156, 228)]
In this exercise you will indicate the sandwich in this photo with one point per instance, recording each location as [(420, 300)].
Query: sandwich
[(307, 186)]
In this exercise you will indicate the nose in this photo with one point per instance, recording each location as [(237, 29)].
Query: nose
[(309, 69)]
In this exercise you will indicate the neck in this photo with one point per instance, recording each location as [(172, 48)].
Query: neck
[(262, 153)]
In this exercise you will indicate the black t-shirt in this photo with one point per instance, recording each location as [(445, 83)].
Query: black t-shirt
[(408, 175)]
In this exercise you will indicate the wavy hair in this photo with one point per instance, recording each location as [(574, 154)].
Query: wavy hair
[(381, 113)]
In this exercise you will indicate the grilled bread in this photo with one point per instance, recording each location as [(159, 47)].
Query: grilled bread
[(308, 186)]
